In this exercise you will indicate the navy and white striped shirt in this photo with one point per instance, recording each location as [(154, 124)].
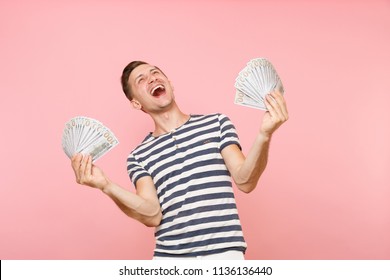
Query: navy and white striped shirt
[(193, 186)]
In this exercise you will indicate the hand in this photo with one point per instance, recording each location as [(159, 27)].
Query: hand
[(276, 115), (87, 173)]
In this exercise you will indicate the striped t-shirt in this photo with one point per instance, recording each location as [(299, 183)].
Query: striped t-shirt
[(193, 186)]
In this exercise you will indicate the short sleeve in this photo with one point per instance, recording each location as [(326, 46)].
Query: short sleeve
[(228, 132), (135, 169)]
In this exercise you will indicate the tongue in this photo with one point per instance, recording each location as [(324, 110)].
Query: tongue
[(158, 92)]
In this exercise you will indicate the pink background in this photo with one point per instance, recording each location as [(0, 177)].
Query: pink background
[(326, 191)]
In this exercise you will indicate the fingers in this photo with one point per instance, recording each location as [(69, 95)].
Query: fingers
[(82, 167), (88, 168), (75, 160), (277, 113), (76, 163), (282, 103), (276, 106)]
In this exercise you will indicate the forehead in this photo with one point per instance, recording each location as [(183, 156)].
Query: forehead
[(140, 70)]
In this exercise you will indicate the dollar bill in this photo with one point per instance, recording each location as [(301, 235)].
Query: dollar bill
[(87, 136), (255, 81)]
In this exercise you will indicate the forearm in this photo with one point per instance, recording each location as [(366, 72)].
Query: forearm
[(254, 164), (133, 205), (246, 171), (143, 206)]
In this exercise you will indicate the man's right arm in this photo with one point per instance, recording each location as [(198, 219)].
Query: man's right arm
[(142, 205)]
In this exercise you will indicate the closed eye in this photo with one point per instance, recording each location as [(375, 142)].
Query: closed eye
[(140, 80)]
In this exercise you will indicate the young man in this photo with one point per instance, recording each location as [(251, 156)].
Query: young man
[(182, 170)]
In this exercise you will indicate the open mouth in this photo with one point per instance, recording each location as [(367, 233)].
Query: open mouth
[(157, 91)]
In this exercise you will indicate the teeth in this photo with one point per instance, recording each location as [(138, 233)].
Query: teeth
[(154, 89)]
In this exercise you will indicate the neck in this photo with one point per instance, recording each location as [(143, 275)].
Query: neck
[(169, 120)]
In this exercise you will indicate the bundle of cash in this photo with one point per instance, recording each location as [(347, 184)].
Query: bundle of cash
[(255, 81), (87, 136)]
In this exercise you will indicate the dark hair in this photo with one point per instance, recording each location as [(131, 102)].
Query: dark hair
[(125, 77)]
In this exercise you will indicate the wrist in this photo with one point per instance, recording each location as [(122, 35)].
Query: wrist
[(106, 187), (264, 136)]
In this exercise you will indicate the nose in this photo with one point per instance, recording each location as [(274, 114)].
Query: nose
[(151, 79)]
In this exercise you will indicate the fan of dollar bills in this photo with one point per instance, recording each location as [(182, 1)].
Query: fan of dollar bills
[(87, 136), (255, 81)]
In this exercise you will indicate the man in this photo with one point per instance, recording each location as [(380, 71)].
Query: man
[(182, 170)]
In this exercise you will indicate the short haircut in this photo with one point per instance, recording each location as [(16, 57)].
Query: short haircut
[(125, 77)]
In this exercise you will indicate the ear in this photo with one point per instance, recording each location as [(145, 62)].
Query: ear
[(136, 104)]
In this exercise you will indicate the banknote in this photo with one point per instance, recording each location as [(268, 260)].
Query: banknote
[(86, 135), (257, 79)]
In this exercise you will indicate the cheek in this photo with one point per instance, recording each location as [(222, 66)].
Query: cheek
[(139, 91)]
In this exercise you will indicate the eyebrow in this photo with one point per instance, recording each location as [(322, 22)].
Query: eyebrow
[(150, 71)]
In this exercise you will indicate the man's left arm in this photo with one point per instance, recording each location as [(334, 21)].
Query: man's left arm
[(246, 171)]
